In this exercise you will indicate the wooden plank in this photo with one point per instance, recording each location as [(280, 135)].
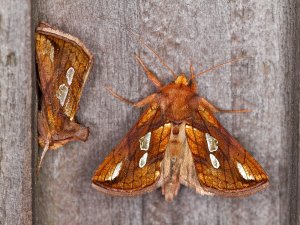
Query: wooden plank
[(17, 105), (294, 79), (206, 33)]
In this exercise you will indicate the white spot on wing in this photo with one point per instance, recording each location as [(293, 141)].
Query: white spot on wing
[(116, 172), (62, 93), (145, 142), (212, 143), (214, 161), (143, 160), (70, 75), (245, 174), (50, 51)]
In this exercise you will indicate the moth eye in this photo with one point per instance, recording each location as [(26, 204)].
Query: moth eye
[(212, 143), (143, 160), (145, 142), (214, 161), (115, 172), (245, 173), (62, 93)]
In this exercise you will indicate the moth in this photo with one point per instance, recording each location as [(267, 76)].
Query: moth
[(178, 140), (63, 65)]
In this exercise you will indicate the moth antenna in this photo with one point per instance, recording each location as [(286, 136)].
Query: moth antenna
[(149, 74), (192, 78), (46, 148), (192, 71), (220, 65), (151, 50)]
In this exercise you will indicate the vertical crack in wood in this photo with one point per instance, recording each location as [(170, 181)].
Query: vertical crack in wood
[(293, 175), (292, 72), (34, 108)]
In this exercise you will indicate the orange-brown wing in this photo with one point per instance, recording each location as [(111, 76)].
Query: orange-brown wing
[(133, 167), (223, 166), (64, 64)]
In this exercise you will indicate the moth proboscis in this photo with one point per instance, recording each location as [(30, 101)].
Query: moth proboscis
[(63, 65), (178, 140)]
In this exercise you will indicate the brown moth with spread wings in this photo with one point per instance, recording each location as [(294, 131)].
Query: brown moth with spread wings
[(63, 64), (178, 140)]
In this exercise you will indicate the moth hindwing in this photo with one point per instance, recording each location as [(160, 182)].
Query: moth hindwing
[(63, 65), (178, 140)]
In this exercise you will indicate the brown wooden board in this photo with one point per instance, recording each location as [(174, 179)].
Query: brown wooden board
[(204, 32), (17, 112)]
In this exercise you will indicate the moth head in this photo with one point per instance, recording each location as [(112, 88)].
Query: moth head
[(181, 79)]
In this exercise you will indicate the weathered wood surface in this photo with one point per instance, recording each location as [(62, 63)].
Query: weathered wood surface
[(17, 106), (204, 32)]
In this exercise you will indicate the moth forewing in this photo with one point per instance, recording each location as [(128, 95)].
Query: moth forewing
[(140, 171), (221, 174)]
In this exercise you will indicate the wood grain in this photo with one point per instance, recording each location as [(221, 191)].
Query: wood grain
[(293, 118), (17, 104), (204, 32)]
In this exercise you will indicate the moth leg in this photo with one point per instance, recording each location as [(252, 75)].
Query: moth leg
[(137, 104), (216, 109), (149, 74), (145, 101), (46, 148)]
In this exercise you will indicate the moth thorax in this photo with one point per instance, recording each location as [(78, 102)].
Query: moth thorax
[(181, 79)]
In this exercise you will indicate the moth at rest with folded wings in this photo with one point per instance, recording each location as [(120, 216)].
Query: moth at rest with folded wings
[(64, 64), (178, 140)]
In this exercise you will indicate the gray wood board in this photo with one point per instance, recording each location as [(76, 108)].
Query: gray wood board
[(206, 33), (17, 106)]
